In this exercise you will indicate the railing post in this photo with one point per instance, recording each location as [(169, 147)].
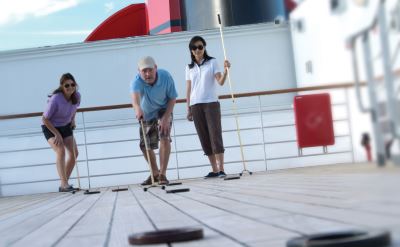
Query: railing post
[(176, 149), (390, 88), (86, 151), (373, 97), (349, 122), (262, 131)]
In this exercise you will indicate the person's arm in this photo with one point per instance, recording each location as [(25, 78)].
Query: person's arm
[(222, 77), (188, 92), (136, 105), (171, 94), (164, 121), (73, 125), (51, 110), (58, 140)]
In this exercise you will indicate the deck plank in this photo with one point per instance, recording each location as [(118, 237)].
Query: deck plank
[(327, 211), (26, 207), (164, 216), (18, 227), (265, 209), (94, 223), (129, 218), (56, 228), (238, 228), (255, 209), (11, 205)]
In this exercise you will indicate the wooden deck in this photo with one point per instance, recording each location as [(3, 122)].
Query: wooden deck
[(265, 209)]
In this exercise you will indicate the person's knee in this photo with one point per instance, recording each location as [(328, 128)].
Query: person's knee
[(165, 141), (60, 152), (218, 150)]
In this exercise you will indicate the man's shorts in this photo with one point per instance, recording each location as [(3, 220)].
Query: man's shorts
[(65, 131), (152, 129)]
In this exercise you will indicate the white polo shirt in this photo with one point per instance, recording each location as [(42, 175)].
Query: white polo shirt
[(203, 83)]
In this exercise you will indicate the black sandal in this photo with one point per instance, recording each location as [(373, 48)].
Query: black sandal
[(67, 189)]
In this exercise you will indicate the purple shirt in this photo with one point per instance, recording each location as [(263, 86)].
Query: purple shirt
[(59, 111)]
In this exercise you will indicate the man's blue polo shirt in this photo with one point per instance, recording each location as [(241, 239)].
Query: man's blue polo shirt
[(154, 97)]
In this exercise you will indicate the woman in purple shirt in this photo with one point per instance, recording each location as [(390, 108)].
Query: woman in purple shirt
[(59, 123)]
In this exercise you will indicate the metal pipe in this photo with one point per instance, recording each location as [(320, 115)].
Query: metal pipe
[(375, 111), (357, 77), (176, 149), (86, 151), (350, 124), (262, 131), (392, 105)]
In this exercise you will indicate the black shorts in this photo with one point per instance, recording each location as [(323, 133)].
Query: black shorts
[(65, 131)]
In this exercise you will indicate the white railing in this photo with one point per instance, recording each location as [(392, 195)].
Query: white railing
[(109, 153)]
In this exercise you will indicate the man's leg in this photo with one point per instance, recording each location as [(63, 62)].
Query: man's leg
[(153, 162), (152, 143), (165, 151)]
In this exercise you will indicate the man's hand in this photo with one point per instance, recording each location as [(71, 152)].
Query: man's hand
[(139, 114)]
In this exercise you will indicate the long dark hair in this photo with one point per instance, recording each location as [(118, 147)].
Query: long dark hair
[(191, 43), (64, 77)]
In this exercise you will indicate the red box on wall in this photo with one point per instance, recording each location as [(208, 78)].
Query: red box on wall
[(313, 116)]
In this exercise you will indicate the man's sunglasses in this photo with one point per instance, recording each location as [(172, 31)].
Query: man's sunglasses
[(200, 47), (68, 85)]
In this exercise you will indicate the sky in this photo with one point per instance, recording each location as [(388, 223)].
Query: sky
[(37, 23)]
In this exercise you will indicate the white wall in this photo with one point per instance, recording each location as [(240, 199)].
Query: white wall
[(261, 58)]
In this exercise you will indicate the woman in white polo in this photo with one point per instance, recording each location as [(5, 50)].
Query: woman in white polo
[(202, 76)]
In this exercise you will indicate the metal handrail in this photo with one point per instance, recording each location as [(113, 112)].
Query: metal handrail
[(261, 110), (172, 152), (136, 139), (226, 96)]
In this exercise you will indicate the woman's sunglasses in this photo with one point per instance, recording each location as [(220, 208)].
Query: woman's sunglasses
[(200, 47), (68, 85)]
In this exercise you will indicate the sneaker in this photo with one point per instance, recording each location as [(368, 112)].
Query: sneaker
[(221, 174), (73, 188), (148, 181), (65, 189), (212, 175), (162, 180)]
